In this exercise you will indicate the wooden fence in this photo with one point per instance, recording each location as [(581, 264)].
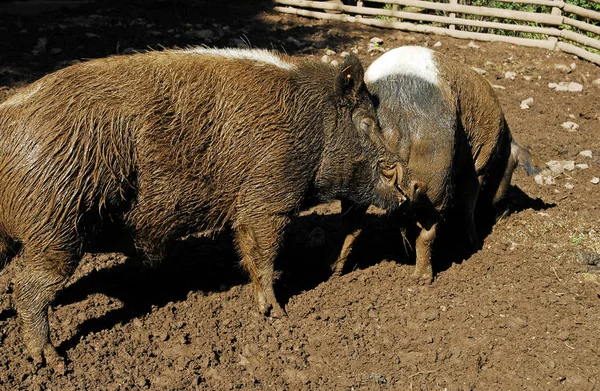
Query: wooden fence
[(566, 27)]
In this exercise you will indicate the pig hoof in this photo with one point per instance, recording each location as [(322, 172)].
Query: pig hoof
[(277, 312), (54, 360), (37, 362), (423, 278)]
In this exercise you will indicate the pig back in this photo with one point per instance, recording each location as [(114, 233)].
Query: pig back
[(480, 115), (188, 136)]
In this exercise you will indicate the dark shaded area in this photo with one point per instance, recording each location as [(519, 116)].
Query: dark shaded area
[(10, 313), (196, 264), (37, 38), (452, 246), (36, 43), (211, 264)]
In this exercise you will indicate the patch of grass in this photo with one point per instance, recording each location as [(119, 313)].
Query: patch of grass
[(386, 18), (587, 238)]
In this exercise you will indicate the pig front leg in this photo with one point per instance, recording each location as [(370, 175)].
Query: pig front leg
[(352, 217), (258, 240), (423, 246)]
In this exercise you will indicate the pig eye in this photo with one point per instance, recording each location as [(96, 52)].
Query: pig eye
[(367, 124)]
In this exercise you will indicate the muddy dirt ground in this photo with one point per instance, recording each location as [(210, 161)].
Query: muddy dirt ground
[(521, 313)]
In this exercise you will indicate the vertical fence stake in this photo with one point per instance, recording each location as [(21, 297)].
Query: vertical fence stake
[(453, 15), (555, 11)]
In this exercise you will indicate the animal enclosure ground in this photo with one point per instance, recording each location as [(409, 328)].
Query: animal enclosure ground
[(521, 313)]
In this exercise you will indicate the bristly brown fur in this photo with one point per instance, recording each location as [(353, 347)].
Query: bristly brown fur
[(166, 143)]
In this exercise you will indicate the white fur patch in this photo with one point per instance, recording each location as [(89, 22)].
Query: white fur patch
[(260, 55), (406, 60), (21, 97)]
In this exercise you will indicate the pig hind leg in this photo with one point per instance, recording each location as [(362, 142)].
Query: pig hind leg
[(258, 240), (43, 274)]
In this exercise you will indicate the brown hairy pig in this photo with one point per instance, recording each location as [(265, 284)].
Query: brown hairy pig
[(162, 144), (455, 149)]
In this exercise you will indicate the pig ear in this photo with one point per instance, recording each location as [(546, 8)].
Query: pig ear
[(350, 79)]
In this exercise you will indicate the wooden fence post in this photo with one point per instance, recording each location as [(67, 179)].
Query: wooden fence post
[(453, 15), (555, 11)]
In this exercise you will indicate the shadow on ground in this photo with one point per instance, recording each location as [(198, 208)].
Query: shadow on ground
[(37, 39), (210, 264)]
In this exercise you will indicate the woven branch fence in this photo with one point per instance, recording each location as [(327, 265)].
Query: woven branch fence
[(566, 27)]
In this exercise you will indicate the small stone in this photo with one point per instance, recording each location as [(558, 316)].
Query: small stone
[(528, 78), (510, 75), (473, 45), (563, 335), (294, 41), (479, 70), (569, 186), (575, 87), (92, 35), (596, 82), (330, 52), (56, 51), (497, 87), (326, 59), (204, 34), (544, 177), (525, 104), (373, 47), (563, 68), (437, 44), (573, 66), (40, 46), (586, 153), (582, 166), (344, 54), (355, 51), (429, 315), (595, 180), (570, 126), (564, 86), (155, 33), (141, 382), (335, 63), (376, 41), (539, 179), (560, 166)]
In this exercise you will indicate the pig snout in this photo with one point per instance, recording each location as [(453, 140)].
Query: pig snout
[(392, 175)]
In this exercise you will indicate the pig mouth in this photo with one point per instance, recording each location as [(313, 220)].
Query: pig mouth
[(392, 174)]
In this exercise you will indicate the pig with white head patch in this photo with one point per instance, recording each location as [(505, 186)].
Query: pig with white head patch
[(446, 126)]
